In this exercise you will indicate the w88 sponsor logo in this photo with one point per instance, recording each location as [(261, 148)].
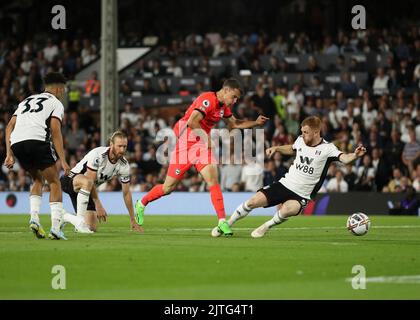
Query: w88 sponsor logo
[(305, 168)]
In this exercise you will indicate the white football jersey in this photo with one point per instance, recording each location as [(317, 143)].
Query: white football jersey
[(33, 116), (98, 160), (308, 171)]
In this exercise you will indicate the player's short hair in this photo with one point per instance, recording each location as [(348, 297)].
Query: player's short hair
[(117, 134), (233, 84), (312, 122), (54, 78)]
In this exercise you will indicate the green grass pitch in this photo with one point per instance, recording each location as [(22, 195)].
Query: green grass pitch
[(176, 258)]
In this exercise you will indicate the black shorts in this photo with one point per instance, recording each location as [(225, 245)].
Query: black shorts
[(277, 193), (34, 154), (67, 186)]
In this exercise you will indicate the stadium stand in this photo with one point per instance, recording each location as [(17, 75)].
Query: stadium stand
[(364, 85)]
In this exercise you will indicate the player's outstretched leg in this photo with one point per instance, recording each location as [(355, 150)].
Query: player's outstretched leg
[(287, 209), (155, 193), (241, 212), (245, 208)]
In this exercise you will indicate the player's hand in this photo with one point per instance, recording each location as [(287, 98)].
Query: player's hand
[(9, 161), (270, 151), (136, 227), (261, 120), (101, 214), (66, 167), (360, 151)]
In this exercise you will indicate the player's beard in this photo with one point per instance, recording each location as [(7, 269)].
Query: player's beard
[(116, 155)]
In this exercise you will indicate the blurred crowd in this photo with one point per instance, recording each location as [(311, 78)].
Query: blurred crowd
[(387, 124)]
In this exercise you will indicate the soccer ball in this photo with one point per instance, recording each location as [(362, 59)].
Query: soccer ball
[(358, 224)]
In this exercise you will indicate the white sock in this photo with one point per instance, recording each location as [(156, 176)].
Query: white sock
[(73, 219), (35, 205), (56, 215), (241, 212), (82, 202), (277, 219)]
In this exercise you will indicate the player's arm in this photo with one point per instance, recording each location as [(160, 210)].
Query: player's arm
[(57, 139), (128, 200), (350, 157), (286, 150), (10, 158), (100, 211), (194, 123), (235, 123)]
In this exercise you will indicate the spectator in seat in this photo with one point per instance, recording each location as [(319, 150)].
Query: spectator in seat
[(416, 178), (141, 69), (395, 183), (173, 69), (278, 47), (329, 46), (163, 87), (339, 65), (380, 84), (92, 85), (50, 51), (365, 175), (411, 150), (147, 87), (355, 66), (157, 70), (348, 87), (404, 74), (393, 149), (350, 176), (337, 184), (274, 65), (256, 67), (312, 65), (382, 171)]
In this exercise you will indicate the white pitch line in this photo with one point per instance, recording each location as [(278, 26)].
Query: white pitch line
[(392, 279), (296, 228), (247, 229)]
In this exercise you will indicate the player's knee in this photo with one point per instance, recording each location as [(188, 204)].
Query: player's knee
[(167, 189), (37, 179), (212, 182), (54, 183), (87, 184), (290, 209), (252, 203)]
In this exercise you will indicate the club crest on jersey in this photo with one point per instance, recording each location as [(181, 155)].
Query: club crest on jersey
[(206, 103), (96, 161), (177, 171)]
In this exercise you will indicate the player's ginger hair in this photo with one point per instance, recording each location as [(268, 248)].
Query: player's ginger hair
[(312, 122)]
